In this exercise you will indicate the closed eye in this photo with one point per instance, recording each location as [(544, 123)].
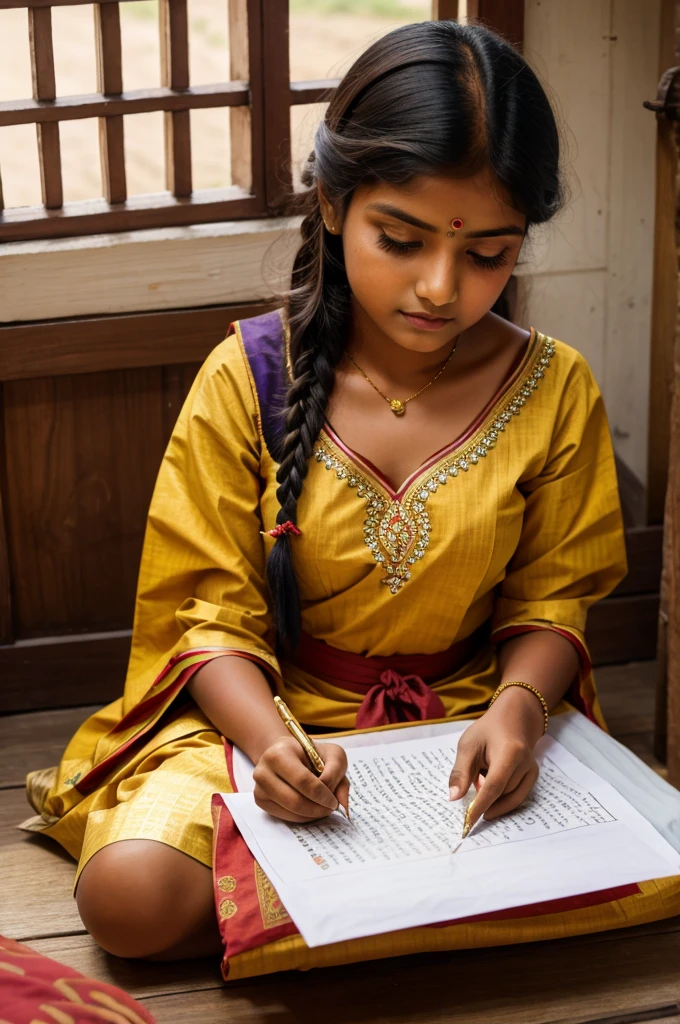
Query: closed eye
[(490, 262), (390, 244)]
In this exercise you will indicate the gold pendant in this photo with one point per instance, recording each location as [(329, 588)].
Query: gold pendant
[(397, 407)]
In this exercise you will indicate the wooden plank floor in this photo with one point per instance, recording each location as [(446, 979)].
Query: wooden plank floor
[(615, 978)]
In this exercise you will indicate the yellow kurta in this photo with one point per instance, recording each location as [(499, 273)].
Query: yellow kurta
[(519, 523)]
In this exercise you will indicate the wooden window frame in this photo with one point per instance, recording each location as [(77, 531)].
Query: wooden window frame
[(259, 97)]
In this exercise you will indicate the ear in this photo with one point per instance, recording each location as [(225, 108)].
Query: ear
[(327, 211)]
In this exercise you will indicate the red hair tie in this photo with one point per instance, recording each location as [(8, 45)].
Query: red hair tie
[(287, 527)]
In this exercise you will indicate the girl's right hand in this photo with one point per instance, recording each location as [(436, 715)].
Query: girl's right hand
[(287, 788)]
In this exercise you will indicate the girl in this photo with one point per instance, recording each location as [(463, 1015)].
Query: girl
[(382, 501)]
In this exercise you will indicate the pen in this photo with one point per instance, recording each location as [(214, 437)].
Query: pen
[(467, 828), (294, 727)]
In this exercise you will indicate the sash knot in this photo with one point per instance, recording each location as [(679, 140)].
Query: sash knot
[(398, 698)]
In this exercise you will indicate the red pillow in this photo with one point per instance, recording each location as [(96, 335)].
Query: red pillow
[(32, 985)]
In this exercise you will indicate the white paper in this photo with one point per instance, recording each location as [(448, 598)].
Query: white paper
[(391, 867)]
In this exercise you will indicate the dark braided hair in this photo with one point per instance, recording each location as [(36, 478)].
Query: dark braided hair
[(432, 97)]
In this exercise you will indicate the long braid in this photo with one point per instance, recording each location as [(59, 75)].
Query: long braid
[(317, 344)]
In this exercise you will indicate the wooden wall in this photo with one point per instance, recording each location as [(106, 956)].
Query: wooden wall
[(79, 453)]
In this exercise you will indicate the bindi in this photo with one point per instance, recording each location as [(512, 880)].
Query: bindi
[(456, 224)]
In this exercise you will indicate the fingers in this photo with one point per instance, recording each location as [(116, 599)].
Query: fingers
[(342, 793), (277, 811), (278, 791), (503, 775), (335, 759), (466, 767), (334, 774), (286, 786), (514, 796)]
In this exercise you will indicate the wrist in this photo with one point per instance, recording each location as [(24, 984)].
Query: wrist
[(265, 738), (524, 708)]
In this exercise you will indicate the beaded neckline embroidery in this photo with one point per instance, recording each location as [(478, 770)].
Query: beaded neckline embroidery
[(397, 531)]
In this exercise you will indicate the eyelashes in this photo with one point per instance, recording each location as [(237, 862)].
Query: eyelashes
[(406, 248), (392, 245)]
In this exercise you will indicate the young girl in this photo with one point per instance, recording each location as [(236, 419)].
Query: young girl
[(382, 501)]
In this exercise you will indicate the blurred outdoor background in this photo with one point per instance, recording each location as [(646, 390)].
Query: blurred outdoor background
[(325, 37)]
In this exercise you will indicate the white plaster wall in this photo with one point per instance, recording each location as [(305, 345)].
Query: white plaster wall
[(587, 278)]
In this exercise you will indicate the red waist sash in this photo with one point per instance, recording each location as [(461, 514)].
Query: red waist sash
[(395, 688)]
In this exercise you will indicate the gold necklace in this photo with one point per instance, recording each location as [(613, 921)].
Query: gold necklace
[(396, 405)]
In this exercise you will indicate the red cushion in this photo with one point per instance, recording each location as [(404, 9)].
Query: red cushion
[(32, 985)]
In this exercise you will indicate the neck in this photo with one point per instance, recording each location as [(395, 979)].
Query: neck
[(395, 365)]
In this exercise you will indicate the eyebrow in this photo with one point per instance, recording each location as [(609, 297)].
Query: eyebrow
[(394, 211)]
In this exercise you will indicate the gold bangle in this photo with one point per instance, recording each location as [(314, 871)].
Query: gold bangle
[(526, 686)]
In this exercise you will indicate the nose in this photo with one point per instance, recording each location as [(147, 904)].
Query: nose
[(438, 284)]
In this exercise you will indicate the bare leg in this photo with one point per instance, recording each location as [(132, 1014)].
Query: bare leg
[(144, 899)]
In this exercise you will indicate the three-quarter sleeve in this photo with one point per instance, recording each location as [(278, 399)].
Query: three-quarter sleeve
[(202, 587), (571, 550)]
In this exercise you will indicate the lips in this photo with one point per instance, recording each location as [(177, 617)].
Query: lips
[(424, 322)]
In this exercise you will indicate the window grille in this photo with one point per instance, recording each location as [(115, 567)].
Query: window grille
[(259, 97)]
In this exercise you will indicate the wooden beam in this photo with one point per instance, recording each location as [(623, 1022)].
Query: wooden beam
[(276, 79), (672, 573), (147, 211), (245, 48), (136, 101), (174, 29), (44, 88), (317, 91), (110, 83), (6, 616), (58, 672), (7, 5), (444, 10), (664, 300), (506, 17), (93, 344)]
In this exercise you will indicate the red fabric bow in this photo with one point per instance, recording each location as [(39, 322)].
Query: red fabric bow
[(287, 527), (398, 698)]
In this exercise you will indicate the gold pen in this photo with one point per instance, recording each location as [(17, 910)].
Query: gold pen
[(467, 828), (294, 727)]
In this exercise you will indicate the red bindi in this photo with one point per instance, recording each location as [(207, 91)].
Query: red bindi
[(457, 223)]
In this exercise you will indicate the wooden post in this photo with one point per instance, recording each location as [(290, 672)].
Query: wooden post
[(276, 83), (6, 618), (246, 122), (444, 10), (44, 88), (174, 28), (110, 83), (503, 16), (672, 545), (664, 289)]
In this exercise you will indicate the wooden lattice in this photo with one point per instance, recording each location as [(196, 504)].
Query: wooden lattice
[(259, 98)]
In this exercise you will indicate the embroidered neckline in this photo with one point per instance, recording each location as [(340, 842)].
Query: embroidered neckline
[(397, 526)]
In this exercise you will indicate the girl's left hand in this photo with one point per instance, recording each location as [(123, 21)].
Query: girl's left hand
[(501, 743)]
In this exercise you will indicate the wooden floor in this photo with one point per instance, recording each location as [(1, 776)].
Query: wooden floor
[(614, 978)]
